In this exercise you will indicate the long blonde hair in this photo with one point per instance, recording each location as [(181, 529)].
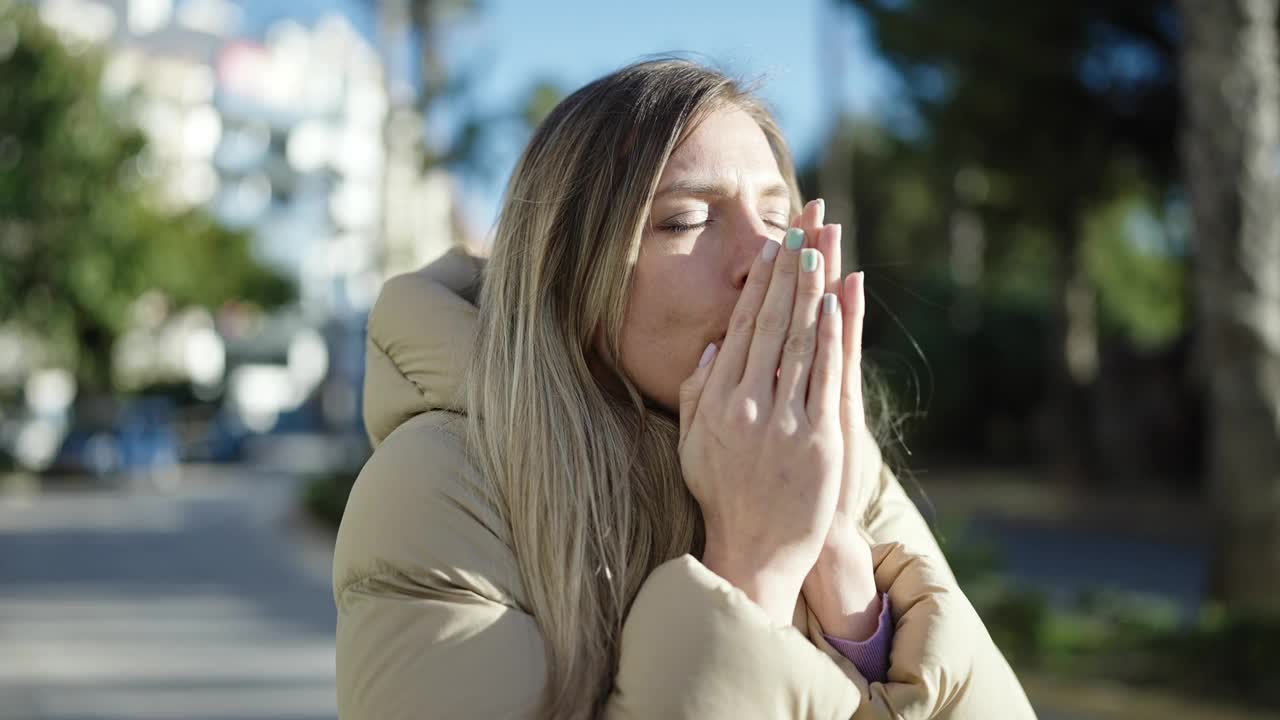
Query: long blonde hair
[(583, 468)]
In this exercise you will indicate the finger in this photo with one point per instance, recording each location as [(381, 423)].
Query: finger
[(854, 312), (797, 221), (773, 320), (802, 339), (727, 372), (829, 246), (691, 389), (825, 379), (811, 221)]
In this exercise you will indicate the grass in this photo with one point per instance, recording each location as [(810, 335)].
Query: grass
[(1227, 656)]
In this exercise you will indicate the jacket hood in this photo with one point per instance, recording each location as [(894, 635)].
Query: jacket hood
[(421, 336)]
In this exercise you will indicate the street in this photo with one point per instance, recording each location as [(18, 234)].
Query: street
[(198, 603), (210, 601)]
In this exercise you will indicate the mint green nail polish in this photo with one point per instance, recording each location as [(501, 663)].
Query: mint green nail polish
[(808, 260), (795, 238)]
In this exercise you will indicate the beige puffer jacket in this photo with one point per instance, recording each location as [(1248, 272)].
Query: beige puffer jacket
[(433, 621)]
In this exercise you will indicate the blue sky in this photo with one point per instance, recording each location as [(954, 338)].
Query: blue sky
[(793, 44), (813, 54), (259, 14)]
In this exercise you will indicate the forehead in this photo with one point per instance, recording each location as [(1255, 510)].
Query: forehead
[(729, 144)]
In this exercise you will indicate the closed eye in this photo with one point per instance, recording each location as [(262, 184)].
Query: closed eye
[(679, 227)]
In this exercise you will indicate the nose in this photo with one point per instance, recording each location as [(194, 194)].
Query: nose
[(749, 234)]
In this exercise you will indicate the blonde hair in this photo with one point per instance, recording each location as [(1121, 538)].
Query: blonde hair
[(583, 468)]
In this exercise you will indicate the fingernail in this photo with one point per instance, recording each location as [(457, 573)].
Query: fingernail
[(770, 250), (808, 260), (829, 304), (822, 209), (795, 238), (707, 355)]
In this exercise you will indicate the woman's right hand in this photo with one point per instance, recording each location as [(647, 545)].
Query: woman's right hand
[(760, 440)]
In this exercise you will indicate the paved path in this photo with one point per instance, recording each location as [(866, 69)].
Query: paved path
[(201, 603), (198, 604)]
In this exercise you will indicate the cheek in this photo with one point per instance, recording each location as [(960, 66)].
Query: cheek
[(672, 313), (664, 309)]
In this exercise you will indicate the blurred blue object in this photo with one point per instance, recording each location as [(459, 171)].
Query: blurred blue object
[(224, 438), (107, 443)]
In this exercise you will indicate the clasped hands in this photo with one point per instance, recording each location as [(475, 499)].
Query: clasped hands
[(772, 426)]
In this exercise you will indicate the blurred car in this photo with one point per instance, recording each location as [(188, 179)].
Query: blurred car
[(109, 445)]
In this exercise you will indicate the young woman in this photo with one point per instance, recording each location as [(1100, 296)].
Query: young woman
[(623, 470)]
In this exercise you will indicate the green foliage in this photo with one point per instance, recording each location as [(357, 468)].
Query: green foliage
[(1141, 281), (1140, 642), (1051, 127), (81, 235), (325, 496), (1047, 95), (1115, 637), (1036, 117), (541, 99), (977, 385)]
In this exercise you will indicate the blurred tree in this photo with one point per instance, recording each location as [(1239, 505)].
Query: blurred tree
[(1231, 84), (542, 98), (473, 148), (437, 91), (421, 24), (1038, 112), (81, 236)]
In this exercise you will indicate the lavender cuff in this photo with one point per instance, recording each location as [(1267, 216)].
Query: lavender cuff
[(870, 656)]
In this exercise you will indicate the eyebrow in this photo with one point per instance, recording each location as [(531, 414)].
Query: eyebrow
[(713, 187)]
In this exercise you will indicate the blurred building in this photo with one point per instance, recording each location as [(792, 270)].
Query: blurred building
[(303, 156), (284, 135), (159, 64), (283, 131)]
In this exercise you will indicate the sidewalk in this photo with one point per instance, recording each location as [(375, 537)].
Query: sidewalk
[(198, 603), (1064, 541), (212, 601)]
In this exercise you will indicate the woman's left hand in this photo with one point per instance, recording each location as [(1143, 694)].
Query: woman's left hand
[(840, 589)]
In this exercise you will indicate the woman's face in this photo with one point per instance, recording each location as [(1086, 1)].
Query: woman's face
[(719, 198)]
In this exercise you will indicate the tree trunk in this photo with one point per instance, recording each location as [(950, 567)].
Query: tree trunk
[(1231, 151), (836, 186), (1073, 342)]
